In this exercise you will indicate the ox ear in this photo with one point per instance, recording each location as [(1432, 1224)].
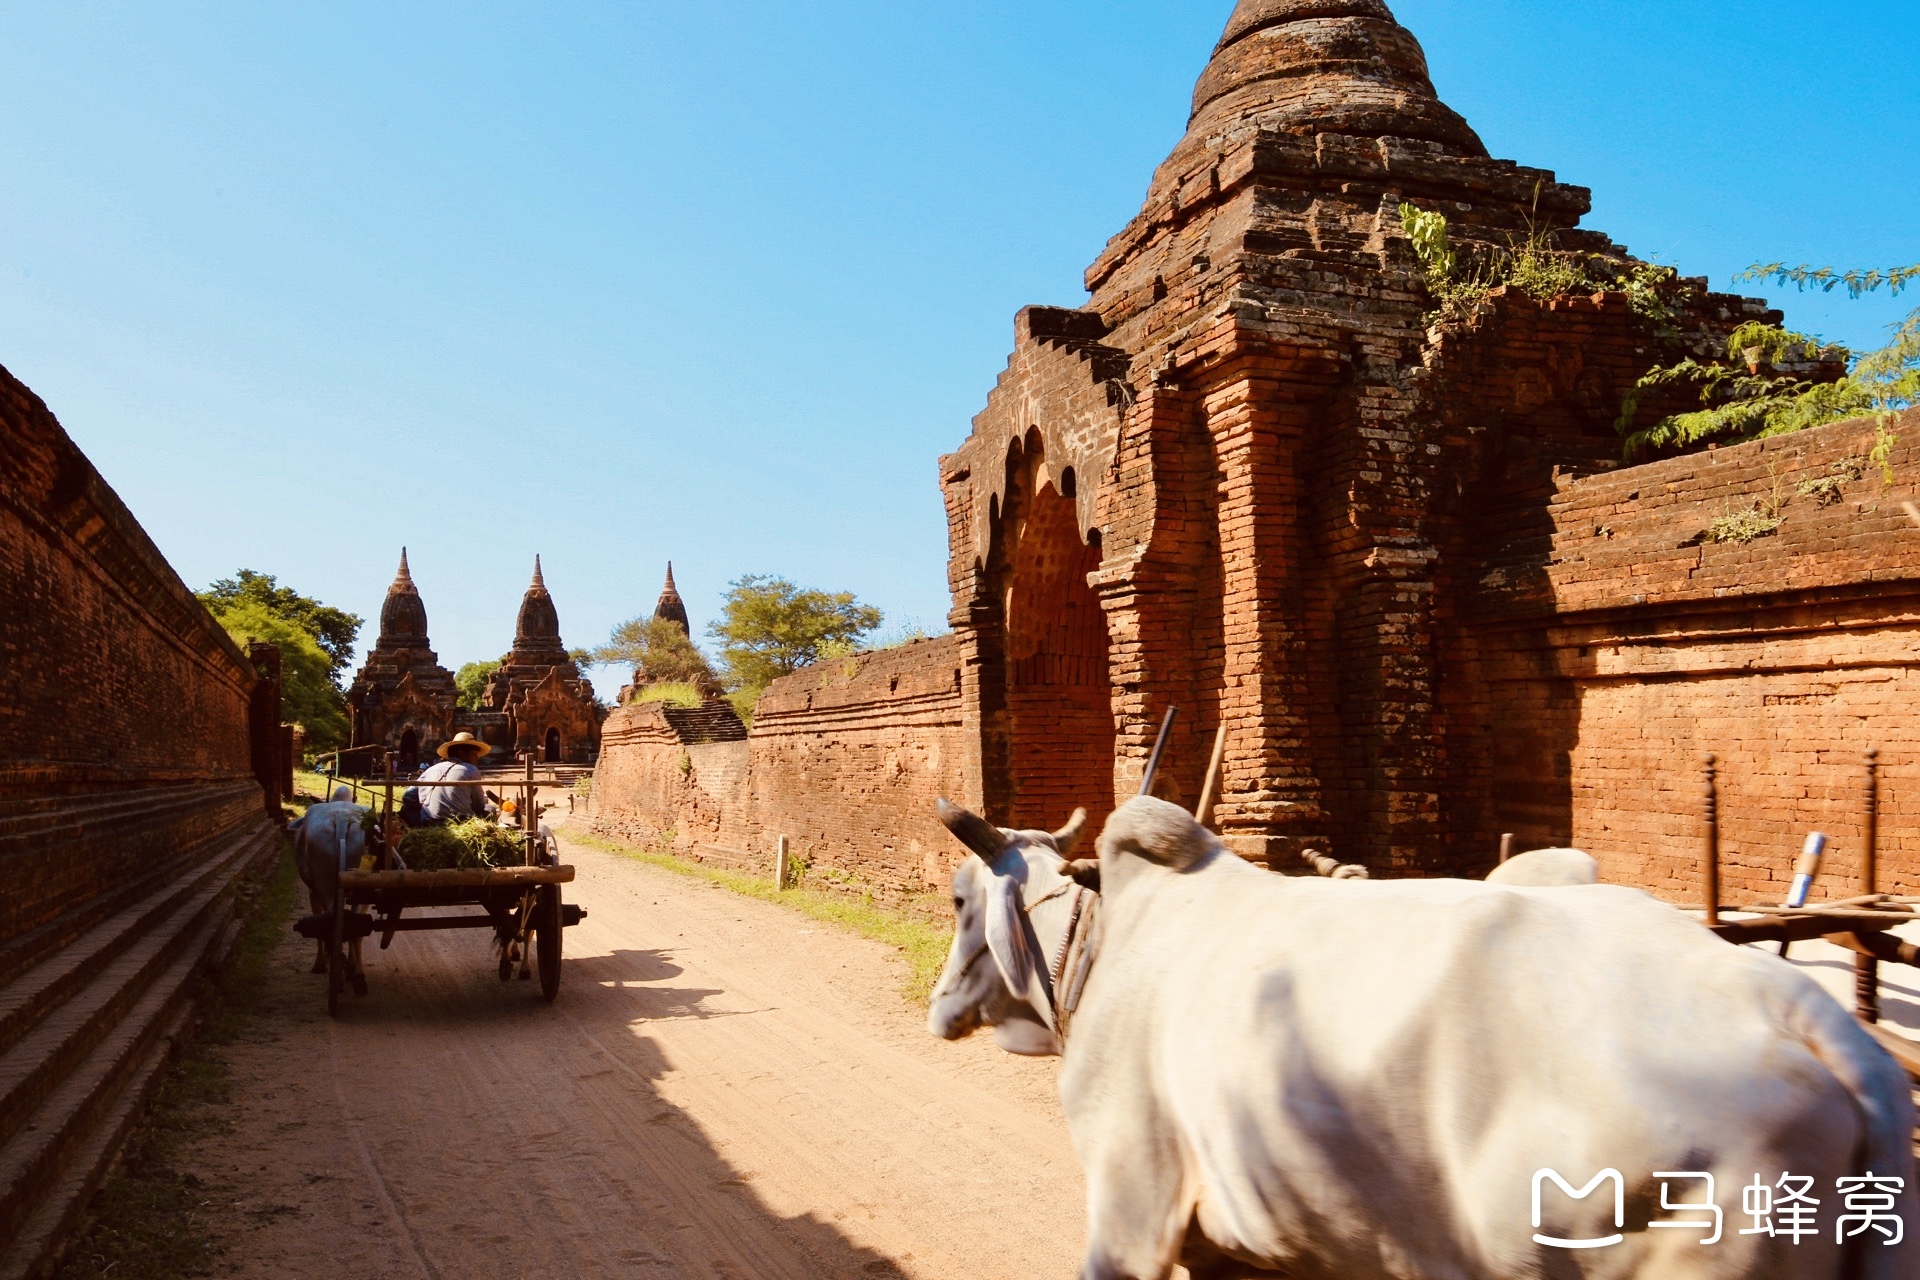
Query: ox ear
[(972, 830), (1067, 838), (1157, 830), (1007, 934)]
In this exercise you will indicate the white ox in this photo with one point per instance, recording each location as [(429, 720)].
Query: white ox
[(1354, 1079)]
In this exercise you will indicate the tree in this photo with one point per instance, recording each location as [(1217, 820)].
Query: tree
[(471, 683), (770, 628), (308, 695), (1758, 388), (334, 630), (658, 650)]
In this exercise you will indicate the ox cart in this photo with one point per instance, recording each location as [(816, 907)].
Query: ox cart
[(521, 904)]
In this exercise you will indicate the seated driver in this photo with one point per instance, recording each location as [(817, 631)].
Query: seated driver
[(456, 804)]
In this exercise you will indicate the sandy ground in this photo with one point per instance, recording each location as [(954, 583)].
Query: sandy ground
[(723, 1089)]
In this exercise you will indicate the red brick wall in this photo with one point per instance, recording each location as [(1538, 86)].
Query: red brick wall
[(124, 709), (1621, 644), (849, 757), (654, 777)]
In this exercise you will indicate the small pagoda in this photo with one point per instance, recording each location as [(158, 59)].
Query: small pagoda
[(402, 700), (549, 705)]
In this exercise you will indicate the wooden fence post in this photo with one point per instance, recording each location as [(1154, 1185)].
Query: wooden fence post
[(1712, 798), (780, 866), (1866, 969)]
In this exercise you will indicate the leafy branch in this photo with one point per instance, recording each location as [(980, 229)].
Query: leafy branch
[(1826, 279), (1747, 406)]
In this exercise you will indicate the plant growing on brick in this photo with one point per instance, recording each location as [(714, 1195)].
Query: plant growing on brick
[(1534, 266), (1774, 381)]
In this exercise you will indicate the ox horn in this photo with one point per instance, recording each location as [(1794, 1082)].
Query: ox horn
[(1067, 838), (972, 830)]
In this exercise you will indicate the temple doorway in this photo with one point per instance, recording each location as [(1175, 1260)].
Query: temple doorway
[(409, 751), (553, 746), (1058, 711)]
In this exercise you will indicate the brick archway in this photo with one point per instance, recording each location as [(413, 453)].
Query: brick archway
[(1057, 733)]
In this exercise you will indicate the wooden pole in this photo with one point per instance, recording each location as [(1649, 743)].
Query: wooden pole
[(1159, 745), (780, 865), (1204, 814), (1866, 969), (1712, 798), (1506, 845), (529, 813)]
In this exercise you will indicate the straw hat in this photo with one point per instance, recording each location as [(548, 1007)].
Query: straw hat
[(463, 739)]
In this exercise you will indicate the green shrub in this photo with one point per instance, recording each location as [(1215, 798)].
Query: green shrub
[(672, 692)]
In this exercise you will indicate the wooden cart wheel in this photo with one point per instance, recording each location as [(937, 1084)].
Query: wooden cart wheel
[(547, 926), (337, 953)]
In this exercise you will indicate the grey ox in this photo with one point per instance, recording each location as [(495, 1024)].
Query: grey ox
[(1349, 1079), (327, 839)]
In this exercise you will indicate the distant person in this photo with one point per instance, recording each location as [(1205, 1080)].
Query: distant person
[(455, 804)]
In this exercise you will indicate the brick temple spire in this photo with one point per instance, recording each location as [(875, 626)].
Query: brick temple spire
[(671, 607), (538, 625), (403, 617), (1324, 66)]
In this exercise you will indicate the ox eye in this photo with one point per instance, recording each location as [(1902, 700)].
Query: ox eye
[(959, 905)]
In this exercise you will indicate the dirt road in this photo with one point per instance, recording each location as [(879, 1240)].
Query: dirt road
[(723, 1089)]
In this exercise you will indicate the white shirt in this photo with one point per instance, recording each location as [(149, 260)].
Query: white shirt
[(454, 804)]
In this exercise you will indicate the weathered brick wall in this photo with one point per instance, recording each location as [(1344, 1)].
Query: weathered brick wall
[(665, 769), (139, 754), (849, 757), (846, 759), (115, 681), (1620, 643)]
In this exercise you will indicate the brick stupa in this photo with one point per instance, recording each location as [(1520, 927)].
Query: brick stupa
[(1247, 479), (402, 699), (549, 705)]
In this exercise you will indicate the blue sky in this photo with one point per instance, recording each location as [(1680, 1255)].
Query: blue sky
[(623, 283)]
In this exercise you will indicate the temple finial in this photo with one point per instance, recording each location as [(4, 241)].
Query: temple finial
[(403, 575), (538, 581), (670, 585)]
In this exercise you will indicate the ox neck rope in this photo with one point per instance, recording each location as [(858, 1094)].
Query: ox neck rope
[(1066, 973)]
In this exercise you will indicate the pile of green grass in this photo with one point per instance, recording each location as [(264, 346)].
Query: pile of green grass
[(473, 843)]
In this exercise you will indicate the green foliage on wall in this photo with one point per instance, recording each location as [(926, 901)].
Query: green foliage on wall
[(335, 630), (1762, 387), (308, 695)]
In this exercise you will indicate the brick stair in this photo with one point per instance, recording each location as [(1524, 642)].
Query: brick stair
[(87, 1028), (710, 722)]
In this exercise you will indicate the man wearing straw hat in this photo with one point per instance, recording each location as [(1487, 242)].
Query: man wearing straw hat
[(455, 804)]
